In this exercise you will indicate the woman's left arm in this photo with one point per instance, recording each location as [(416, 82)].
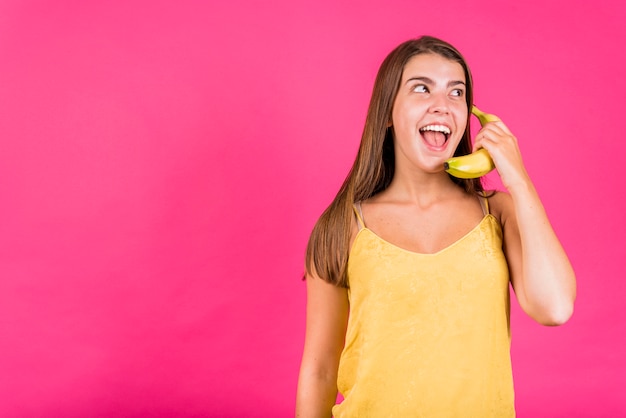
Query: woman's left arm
[(541, 273)]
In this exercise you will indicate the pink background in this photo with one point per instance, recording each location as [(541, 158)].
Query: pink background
[(162, 164)]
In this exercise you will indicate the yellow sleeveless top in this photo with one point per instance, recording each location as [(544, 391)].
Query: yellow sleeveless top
[(428, 334)]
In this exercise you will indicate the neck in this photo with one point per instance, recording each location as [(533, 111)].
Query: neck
[(420, 187)]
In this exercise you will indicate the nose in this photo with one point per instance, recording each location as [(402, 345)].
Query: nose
[(439, 103)]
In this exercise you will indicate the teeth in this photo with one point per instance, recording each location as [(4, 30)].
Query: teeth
[(436, 128)]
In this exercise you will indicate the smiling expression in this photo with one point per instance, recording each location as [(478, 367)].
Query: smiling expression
[(430, 112)]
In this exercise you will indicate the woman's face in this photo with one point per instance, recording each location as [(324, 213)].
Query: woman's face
[(429, 114)]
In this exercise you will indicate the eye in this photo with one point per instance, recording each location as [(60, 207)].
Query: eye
[(458, 92), (420, 88)]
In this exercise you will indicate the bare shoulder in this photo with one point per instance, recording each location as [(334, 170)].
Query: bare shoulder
[(501, 205)]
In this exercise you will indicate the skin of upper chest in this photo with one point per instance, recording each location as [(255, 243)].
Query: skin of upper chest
[(422, 230)]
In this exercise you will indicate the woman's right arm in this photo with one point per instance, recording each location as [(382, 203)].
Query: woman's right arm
[(326, 321)]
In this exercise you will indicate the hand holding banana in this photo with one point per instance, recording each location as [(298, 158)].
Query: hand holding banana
[(479, 162)]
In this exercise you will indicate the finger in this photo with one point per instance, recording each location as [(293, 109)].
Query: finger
[(495, 129), (500, 126), (478, 141)]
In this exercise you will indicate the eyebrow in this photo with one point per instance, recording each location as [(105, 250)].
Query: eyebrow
[(427, 80)]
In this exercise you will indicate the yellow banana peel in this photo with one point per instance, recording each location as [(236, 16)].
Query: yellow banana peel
[(483, 117), (479, 162), (470, 166)]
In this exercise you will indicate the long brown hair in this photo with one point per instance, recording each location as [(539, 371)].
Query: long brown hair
[(372, 171)]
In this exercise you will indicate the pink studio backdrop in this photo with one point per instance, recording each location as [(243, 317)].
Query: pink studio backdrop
[(162, 164)]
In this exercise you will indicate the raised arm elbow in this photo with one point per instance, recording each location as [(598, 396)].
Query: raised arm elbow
[(557, 318), (556, 315), (549, 305)]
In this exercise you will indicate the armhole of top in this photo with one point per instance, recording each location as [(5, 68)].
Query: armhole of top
[(484, 203), (359, 215)]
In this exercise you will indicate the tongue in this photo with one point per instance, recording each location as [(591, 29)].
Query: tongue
[(435, 139)]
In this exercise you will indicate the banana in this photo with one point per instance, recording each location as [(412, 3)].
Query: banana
[(470, 166), (479, 162), (484, 117)]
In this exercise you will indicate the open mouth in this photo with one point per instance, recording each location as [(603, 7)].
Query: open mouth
[(435, 135)]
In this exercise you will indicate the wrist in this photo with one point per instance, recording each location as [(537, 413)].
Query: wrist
[(522, 189), (519, 184)]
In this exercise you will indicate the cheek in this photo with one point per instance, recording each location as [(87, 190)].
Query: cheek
[(404, 115), (461, 118), (398, 111)]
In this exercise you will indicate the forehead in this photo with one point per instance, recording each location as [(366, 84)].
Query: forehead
[(434, 66)]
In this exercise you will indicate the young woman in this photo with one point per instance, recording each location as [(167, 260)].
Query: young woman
[(408, 269)]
